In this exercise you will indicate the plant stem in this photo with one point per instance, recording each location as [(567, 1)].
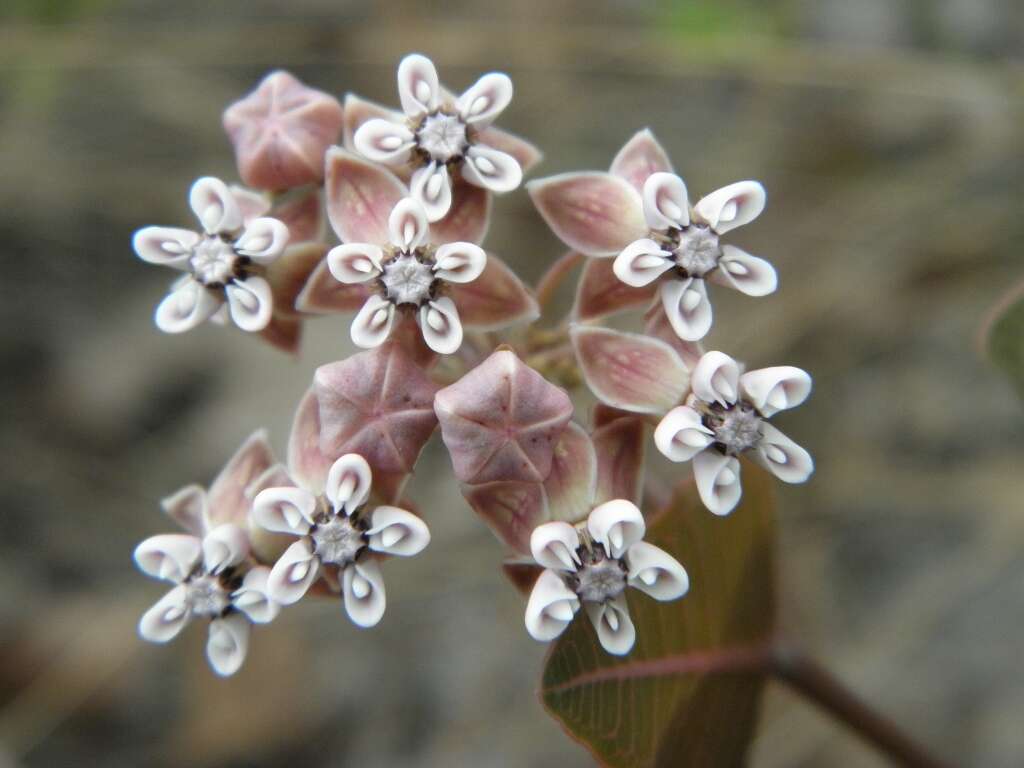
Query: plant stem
[(557, 272), (813, 682)]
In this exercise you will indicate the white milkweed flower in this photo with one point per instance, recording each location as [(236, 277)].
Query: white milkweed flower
[(224, 262), (410, 272), (725, 416), (591, 564), (683, 249), (442, 134), (337, 534)]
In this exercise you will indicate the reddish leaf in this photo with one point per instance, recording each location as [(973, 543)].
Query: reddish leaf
[(511, 508), (494, 300), (620, 446), (573, 479), (323, 294), (360, 196), (601, 293), (468, 218), (641, 156)]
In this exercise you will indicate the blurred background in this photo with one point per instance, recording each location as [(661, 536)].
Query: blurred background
[(889, 135)]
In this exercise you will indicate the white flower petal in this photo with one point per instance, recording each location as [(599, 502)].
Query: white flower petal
[(431, 186), (485, 99), (263, 240), (441, 326), (372, 324), (641, 263), (397, 532), (614, 627), (253, 597), (656, 572), (189, 304), (775, 389), (687, 307), (166, 246), (355, 262), (251, 303), (551, 607), (418, 87), (718, 481), (408, 225), (168, 616), (666, 204), (616, 524), (284, 510), (782, 457), (384, 141), (716, 378), (293, 573), (491, 169), (169, 556), (363, 588), (732, 206), (459, 262), (348, 483), (681, 434), (554, 545), (215, 206), (748, 274), (224, 546), (228, 643)]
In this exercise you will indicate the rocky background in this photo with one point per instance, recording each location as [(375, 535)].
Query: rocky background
[(888, 134)]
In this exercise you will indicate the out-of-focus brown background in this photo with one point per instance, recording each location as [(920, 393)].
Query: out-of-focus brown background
[(889, 135)]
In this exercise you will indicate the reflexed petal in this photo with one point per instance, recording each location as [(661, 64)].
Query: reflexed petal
[(284, 510), (362, 585), (718, 481), (358, 111), (775, 389), (554, 545), (355, 262), (681, 435), (251, 302), (384, 141), (716, 378), (496, 299), (614, 628), (616, 524), (431, 185), (252, 204), (166, 246), (641, 263), (224, 546), (228, 643), (169, 556), (459, 262), (492, 169), (263, 240), (187, 507), (665, 201), (293, 573), (732, 206), (253, 597), (418, 88), (656, 572), (551, 607), (397, 532), (323, 294), (440, 324), (165, 620), (485, 99), (639, 158), (372, 324), (306, 461), (215, 206), (525, 153), (407, 224), (687, 307), (782, 457), (187, 306), (348, 483), (747, 274), (360, 197), (467, 219), (600, 292)]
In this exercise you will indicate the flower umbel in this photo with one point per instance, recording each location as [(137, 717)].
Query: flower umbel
[(225, 262), (591, 564), (726, 415)]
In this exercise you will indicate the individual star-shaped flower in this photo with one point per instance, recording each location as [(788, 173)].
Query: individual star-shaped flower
[(725, 416), (591, 564), (226, 262), (338, 536), (212, 565), (281, 131), (439, 135)]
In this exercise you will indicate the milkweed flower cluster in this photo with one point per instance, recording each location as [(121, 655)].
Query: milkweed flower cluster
[(406, 198)]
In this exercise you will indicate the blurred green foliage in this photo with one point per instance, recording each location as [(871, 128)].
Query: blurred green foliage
[(52, 11)]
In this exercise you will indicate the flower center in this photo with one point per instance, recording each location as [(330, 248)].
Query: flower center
[(601, 580), (407, 280), (214, 261), (337, 540), (207, 595), (698, 250), (737, 429), (442, 136)]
